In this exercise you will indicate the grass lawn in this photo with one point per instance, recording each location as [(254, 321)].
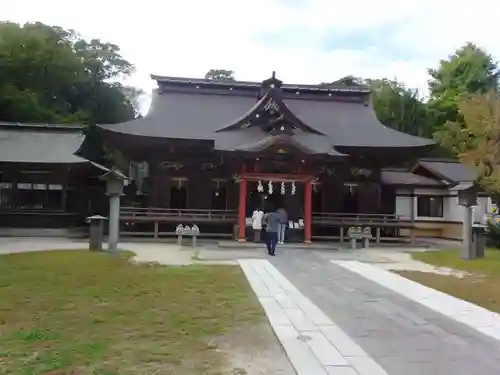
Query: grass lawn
[(84, 313), (481, 287)]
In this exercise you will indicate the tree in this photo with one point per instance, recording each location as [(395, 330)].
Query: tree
[(476, 138), (399, 107), (469, 70), (52, 75), (395, 105), (133, 96), (349, 80), (220, 75)]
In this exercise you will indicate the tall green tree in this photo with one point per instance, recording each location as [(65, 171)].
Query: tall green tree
[(395, 105), (52, 75), (469, 70), (400, 107), (220, 75), (476, 138)]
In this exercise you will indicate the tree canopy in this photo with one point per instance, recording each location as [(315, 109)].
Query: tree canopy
[(52, 75), (400, 107), (469, 70), (220, 75), (476, 139)]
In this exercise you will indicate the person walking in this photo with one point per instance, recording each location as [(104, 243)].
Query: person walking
[(271, 221), (283, 215), (257, 217)]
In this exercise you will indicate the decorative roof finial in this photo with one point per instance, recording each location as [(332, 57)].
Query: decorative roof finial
[(273, 75)]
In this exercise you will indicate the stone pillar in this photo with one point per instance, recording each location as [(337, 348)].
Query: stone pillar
[(467, 248), (114, 187), (242, 211), (307, 212), (114, 221), (467, 198)]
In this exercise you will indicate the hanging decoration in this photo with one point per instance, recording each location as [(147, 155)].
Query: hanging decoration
[(294, 189), (314, 185), (260, 188), (283, 189), (270, 187), (217, 186)]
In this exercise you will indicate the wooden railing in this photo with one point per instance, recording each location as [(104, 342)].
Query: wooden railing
[(360, 219), (40, 218), (391, 225), (134, 217), (172, 214)]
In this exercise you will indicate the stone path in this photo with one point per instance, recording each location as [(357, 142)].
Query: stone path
[(401, 335), (313, 343), (474, 316)]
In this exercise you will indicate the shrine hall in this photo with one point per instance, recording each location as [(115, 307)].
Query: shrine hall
[(210, 152)]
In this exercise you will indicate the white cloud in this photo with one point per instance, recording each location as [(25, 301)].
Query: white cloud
[(187, 38)]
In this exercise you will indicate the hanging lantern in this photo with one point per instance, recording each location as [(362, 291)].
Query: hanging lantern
[(294, 188), (260, 188), (283, 189), (270, 187)]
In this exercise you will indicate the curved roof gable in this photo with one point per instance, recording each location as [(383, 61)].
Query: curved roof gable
[(268, 110)]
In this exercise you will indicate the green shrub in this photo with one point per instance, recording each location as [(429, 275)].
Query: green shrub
[(493, 235)]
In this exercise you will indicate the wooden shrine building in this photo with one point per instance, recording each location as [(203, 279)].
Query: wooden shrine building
[(210, 152), (43, 184)]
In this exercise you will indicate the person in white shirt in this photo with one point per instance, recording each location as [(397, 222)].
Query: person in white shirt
[(257, 216)]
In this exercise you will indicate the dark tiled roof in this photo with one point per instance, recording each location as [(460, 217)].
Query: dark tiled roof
[(186, 115), (39, 144), (401, 177), (449, 170), (351, 124), (198, 115)]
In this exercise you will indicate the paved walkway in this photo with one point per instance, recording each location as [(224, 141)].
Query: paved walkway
[(313, 343), (401, 335), (474, 316)]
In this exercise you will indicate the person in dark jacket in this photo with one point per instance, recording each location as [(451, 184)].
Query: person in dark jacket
[(272, 222), (283, 223)]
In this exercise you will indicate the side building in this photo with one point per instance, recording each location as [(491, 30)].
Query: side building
[(43, 184)]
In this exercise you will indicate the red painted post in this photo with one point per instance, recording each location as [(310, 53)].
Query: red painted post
[(307, 211), (242, 210)]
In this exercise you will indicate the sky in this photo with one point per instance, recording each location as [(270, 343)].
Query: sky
[(304, 41)]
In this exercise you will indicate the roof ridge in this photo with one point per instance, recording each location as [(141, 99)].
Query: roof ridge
[(22, 125), (256, 84), (439, 160)]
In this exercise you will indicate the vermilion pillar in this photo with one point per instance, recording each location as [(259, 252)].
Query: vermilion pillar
[(307, 211), (242, 211)]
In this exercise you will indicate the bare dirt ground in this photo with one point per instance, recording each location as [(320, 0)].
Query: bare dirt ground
[(253, 350)]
